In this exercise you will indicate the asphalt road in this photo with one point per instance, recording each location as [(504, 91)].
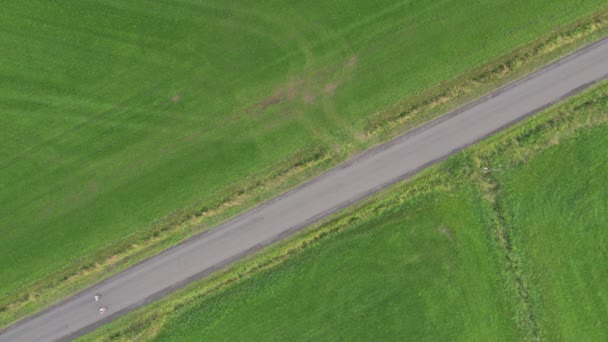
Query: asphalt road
[(334, 190)]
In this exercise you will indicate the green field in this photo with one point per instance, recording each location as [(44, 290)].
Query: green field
[(115, 114), (419, 273), (556, 210), (456, 254)]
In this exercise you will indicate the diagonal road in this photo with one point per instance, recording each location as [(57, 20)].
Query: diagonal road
[(334, 190)]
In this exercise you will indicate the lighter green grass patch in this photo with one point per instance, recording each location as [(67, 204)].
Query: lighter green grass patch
[(555, 209)]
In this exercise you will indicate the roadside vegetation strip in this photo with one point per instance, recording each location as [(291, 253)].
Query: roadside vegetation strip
[(328, 149), (503, 154), (413, 112)]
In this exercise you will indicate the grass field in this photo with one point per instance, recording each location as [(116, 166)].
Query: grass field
[(555, 208), (419, 273), (455, 254), (116, 114)]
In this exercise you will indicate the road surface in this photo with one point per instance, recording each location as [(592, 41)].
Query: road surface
[(334, 190)]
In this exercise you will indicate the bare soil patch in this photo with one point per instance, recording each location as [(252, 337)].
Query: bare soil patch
[(445, 231)]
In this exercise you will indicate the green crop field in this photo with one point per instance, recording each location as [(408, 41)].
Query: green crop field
[(435, 267), (556, 209), (419, 273), (114, 114)]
